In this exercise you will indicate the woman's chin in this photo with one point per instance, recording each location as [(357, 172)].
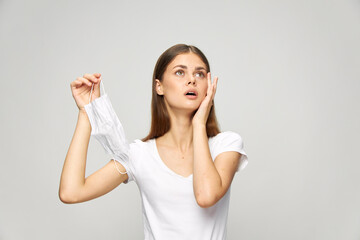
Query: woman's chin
[(188, 106), (192, 107), (190, 110)]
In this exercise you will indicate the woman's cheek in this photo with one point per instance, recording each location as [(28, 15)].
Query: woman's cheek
[(202, 97), (205, 91)]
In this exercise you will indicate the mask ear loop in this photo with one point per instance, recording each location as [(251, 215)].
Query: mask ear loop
[(117, 168), (92, 87), (102, 86)]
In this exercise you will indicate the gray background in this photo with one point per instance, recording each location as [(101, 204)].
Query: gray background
[(288, 84)]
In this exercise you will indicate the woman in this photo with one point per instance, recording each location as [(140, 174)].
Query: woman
[(183, 168)]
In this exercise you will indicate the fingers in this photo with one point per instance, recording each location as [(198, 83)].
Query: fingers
[(76, 83), (98, 75), (92, 78), (212, 86), (84, 81), (215, 83), (87, 79), (97, 88)]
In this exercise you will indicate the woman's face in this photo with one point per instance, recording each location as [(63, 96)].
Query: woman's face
[(186, 72)]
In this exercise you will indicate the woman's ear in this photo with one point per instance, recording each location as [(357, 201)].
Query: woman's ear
[(158, 87)]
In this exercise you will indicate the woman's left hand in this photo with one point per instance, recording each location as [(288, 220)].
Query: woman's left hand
[(203, 111)]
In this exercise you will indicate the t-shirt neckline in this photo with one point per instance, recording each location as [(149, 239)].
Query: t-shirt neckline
[(166, 168)]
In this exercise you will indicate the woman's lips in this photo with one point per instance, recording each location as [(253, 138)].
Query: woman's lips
[(191, 93), (191, 96)]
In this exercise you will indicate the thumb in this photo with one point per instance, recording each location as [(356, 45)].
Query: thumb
[(97, 88), (98, 75)]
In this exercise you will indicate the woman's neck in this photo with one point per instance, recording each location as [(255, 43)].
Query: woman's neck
[(180, 135)]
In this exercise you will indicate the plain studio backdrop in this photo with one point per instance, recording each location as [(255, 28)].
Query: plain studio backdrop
[(288, 84)]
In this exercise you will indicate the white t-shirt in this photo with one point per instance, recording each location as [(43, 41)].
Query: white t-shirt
[(169, 207)]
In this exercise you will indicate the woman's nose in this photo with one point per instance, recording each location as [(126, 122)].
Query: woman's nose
[(192, 80)]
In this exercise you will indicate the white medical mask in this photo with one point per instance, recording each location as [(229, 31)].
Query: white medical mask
[(106, 127)]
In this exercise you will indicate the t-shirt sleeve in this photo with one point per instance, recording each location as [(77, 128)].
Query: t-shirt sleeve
[(230, 141), (108, 131)]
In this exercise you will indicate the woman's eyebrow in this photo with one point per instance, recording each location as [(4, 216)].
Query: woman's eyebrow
[(185, 67)]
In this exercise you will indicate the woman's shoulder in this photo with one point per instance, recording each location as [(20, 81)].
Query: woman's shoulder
[(138, 144), (226, 135), (228, 141)]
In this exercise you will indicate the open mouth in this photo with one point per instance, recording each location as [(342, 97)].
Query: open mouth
[(191, 92), (191, 95)]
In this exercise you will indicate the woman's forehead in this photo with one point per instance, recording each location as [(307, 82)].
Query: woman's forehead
[(191, 60)]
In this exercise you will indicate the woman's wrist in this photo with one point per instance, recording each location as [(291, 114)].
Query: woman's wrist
[(198, 125), (82, 110)]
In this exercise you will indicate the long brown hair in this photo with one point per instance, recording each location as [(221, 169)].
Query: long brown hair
[(160, 120)]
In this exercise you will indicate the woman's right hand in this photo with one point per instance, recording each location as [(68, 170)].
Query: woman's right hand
[(81, 88)]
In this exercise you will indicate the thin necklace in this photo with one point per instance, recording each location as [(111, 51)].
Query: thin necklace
[(183, 154)]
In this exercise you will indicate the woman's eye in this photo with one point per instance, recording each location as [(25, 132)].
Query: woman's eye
[(179, 73), (199, 74)]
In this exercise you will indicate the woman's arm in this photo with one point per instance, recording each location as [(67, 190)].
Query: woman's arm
[(211, 179), (74, 187), (73, 174)]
